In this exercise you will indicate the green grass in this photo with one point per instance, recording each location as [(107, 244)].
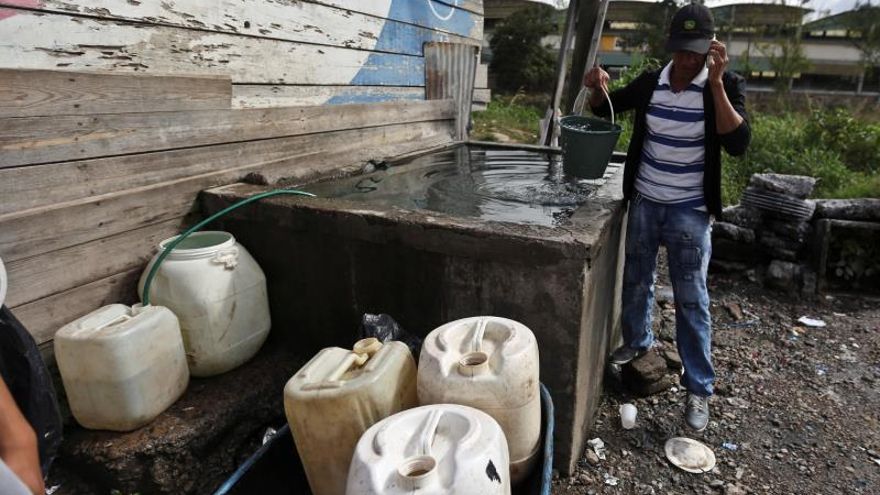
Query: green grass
[(506, 116)]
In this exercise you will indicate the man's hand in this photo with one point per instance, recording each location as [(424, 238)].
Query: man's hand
[(717, 60), (597, 80)]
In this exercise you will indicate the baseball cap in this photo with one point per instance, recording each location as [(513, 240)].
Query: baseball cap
[(692, 29)]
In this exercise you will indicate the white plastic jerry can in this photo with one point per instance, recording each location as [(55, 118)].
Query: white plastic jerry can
[(218, 292), (439, 449), (491, 364), (336, 396), (121, 366)]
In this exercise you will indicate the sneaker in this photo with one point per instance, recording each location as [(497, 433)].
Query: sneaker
[(697, 413), (625, 354)]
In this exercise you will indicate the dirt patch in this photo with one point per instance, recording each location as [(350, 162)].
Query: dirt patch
[(797, 409)]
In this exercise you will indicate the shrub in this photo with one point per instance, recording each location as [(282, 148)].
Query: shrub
[(857, 142), (793, 144)]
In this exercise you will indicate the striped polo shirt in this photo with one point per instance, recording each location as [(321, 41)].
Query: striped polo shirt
[(673, 156)]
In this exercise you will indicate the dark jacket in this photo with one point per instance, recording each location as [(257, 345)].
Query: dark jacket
[(637, 95)]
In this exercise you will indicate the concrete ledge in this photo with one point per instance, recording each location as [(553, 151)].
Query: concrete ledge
[(194, 445)]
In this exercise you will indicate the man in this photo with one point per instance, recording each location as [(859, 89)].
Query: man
[(685, 114)]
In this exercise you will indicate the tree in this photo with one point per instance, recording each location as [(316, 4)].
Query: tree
[(518, 58), (785, 55), (786, 58), (653, 29), (864, 26)]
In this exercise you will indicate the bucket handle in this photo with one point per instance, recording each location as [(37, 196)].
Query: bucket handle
[(610, 105), (581, 97)]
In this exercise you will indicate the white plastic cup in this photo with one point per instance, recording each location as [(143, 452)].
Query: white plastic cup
[(628, 414)]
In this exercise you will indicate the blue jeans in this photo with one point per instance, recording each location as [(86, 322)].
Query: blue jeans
[(686, 233)]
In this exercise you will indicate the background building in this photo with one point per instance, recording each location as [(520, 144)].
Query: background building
[(762, 36)]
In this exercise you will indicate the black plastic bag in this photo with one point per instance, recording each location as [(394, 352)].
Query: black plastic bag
[(30, 384), (384, 328)]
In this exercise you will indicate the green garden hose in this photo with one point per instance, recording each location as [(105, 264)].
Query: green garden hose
[(148, 282)]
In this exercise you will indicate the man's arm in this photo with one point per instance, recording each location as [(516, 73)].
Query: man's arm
[(731, 119), (623, 99), (18, 443)]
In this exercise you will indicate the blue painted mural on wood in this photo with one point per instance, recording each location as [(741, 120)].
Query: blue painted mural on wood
[(387, 69)]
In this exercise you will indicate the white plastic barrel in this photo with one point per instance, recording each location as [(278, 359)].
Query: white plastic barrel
[(218, 292), (336, 396), (439, 449), (121, 366), (491, 364)]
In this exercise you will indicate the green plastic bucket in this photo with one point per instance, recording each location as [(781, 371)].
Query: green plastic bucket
[(587, 145)]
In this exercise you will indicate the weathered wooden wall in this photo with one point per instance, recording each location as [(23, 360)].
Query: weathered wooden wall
[(276, 52), (87, 197), (115, 114)]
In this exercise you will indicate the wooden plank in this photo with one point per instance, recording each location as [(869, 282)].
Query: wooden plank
[(33, 140), (415, 11), (44, 317), (304, 22), (295, 174), (34, 40), (482, 95), (60, 225), (263, 96), (46, 274), (28, 93), (25, 188)]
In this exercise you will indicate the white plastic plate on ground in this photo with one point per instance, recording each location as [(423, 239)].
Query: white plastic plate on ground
[(690, 455)]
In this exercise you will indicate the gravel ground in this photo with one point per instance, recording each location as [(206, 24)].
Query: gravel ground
[(796, 410)]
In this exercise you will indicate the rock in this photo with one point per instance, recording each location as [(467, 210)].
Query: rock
[(867, 209), (778, 205), (646, 369), (771, 241), (809, 282), (592, 458), (783, 254), (784, 275), (716, 484), (664, 296), (500, 138), (722, 266), (734, 310), (798, 186), (724, 230), (795, 231), (743, 216), (735, 489), (673, 360), (728, 250), (654, 388), (666, 332)]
